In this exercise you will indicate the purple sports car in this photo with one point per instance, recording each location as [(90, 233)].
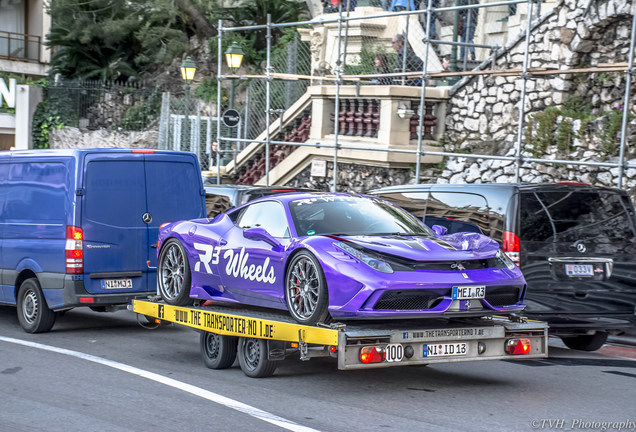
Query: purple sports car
[(333, 254)]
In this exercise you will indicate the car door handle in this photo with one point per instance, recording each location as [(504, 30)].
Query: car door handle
[(222, 242), (154, 246)]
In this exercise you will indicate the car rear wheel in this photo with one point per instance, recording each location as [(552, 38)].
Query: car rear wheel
[(306, 290), (252, 355), (218, 351), (33, 312), (586, 342), (173, 274)]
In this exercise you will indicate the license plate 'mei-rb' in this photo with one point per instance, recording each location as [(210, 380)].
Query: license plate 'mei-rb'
[(469, 292), (579, 270), (116, 283)]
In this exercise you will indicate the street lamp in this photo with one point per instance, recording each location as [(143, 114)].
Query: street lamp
[(188, 69), (233, 58)]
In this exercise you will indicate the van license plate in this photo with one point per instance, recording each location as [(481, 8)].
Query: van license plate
[(116, 283), (579, 270), (469, 292), (444, 349)]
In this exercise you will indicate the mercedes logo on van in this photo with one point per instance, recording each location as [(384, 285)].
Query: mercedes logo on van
[(147, 218), (581, 247)]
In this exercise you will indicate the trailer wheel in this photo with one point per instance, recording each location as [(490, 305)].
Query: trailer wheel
[(252, 355), (218, 351), (586, 342), (173, 274), (33, 312), (306, 290)]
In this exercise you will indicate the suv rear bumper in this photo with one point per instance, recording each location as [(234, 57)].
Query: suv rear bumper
[(571, 325)]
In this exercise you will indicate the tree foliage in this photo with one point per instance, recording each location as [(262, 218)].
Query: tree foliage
[(117, 39), (114, 39)]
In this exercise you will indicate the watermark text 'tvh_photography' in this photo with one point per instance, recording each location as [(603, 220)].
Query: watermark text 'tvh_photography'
[(581, 424)]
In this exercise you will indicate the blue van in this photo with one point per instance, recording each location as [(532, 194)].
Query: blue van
[(79, 227)]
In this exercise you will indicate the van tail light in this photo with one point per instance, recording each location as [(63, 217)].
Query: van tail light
[(74, 250), (511, 247), (518, 346), (371, 354)]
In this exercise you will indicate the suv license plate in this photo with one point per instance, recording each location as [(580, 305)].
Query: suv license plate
[(469, 292), (579, 270), (116, 283), (444, 349)]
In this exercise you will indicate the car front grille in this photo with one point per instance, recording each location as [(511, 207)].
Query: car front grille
[(408, 300), (476, 264), (503, 295)]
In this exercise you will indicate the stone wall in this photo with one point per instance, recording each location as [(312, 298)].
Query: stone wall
[(70, 137), (483, 111)]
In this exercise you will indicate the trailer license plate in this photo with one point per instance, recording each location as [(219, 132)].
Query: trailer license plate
[(393, 352), (579, 270), (116, 283), (444, 349), (469, 292)]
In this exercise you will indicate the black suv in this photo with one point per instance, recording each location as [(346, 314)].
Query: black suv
[(575, 243)]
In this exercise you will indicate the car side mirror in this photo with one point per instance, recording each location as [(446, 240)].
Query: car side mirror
[(439, 230), (259, 234)]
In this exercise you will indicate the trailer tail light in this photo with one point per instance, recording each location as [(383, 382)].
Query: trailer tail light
[(518, 346), (370, 354), (511, 247), (74, 250)]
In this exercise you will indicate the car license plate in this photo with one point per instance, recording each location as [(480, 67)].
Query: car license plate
[(444, 349), (116, 283), (579, 270), (469, 292), (394, 352)]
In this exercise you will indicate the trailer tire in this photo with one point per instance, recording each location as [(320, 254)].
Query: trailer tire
[(218, 351), (252, 355), (173, 274), (586, 342), (33, 312)]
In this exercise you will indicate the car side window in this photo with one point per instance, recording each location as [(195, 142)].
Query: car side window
[(269, 215), (466, 207)]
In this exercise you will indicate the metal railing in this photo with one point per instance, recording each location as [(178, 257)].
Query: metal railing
[(20, 46)]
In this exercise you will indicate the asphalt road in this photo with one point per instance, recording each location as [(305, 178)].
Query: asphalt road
[(111, 374)]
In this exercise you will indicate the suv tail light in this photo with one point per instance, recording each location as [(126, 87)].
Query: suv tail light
[(74, 250), (511, 247)]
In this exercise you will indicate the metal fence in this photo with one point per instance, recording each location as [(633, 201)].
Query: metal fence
[(186, 125), (92, 104), (296, 60), (431, 15)]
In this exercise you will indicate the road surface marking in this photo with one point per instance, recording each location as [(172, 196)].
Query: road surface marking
[(197, 391)]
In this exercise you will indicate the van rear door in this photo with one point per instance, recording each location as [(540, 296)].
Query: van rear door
[(578, 252), (115, 235), (175, 192)]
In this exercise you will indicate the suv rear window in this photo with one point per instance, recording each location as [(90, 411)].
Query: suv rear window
[(571, 215)]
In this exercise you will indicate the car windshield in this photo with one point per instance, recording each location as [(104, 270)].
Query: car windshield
[(344, 215)]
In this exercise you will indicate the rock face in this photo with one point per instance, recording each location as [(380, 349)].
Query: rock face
[(70, 137), (569, 36)]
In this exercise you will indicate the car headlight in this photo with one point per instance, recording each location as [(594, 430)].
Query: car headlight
[(505, 260), (372, 262)]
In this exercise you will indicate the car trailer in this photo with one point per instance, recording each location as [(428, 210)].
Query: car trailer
[(261, 339)]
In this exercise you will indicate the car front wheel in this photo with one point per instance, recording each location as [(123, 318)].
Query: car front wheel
[(173, 274), (306, 290)]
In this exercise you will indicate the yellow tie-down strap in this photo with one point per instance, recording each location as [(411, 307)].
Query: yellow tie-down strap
[(237, 325)]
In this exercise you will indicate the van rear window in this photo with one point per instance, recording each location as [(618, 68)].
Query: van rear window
[(38, 192), (574, 215)]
